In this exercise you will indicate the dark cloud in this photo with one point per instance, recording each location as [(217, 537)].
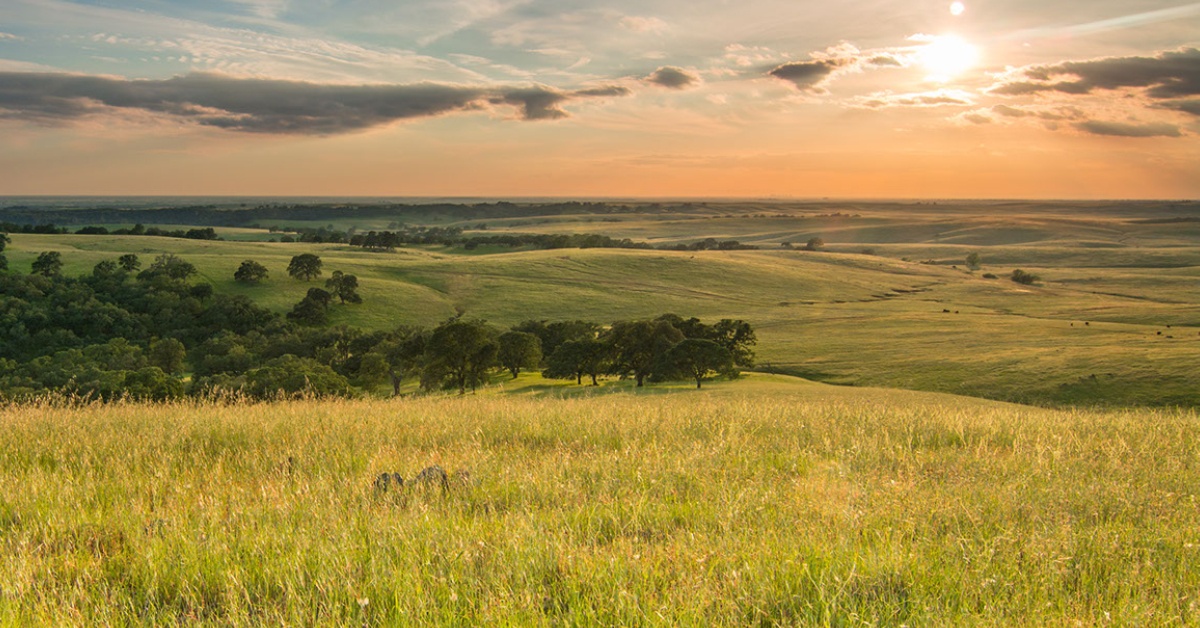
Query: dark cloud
[(269, 106), (1173, 74), (1186, 106), (807, 74), (673, 78), (1122, 129), (885, 61)]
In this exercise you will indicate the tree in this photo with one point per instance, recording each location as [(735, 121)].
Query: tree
[(519, 350), (305, 266), (459, 354), (737, 336), (312, 309), (1023, 277), (696, 358), (814, 244), (344, 287), (974, 261), (404, 353), (129, 262), (4, 240), (638, 345), (554, 334), (167, 266), (575, 358), (250, 272), (48, 264), (167, 354)]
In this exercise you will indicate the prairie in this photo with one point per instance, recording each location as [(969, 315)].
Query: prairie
[(1114, 320), (765, 501)]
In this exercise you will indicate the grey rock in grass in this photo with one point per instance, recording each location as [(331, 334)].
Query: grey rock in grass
[(432, 475), (388, 481)]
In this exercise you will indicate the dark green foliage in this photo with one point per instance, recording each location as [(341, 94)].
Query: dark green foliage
[(737, 337), (291, 376), (697, 358), (48, 264), (519, 350), (129, 262), (312, 309), (403, 351), (554, 334), (458, 355), (575, 358), (638, 346), (344, 287), (4, 240), (168, 354), (974, 261), (1023, 277), (250, 272), (167, 267), (305, 266)]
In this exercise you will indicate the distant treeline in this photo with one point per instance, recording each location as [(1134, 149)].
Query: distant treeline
[(214, 216), (123, 331), (206, 233)]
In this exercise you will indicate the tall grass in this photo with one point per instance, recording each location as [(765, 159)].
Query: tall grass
[(827, 508)]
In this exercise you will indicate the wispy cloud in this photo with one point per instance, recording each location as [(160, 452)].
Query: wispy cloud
[(1125, 129), (673, 78), (640, 24), (937, 98), (269, 106)]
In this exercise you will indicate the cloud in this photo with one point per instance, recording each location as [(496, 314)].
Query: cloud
[(808, 75), (1122, 129), (1186, 106), (673, 78), (1172, 74), (939, 98), (1053, 114), (644, 24), (266, 105), (4, 35)]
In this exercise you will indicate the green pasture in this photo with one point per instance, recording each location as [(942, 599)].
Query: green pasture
[(866, 310)]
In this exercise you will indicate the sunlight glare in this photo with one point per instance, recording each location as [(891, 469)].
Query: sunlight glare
[(957, 8), (947, 56)]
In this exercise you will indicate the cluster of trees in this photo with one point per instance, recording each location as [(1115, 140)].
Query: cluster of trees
[(199, 233), (204, 233), (711, 244), (127, 331)]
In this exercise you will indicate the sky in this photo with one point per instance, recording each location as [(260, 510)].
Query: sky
[(603, 98)]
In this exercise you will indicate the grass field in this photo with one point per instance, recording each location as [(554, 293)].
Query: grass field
[(766, 501), (908, 314)]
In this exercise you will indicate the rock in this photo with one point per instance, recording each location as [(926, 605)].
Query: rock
[(432, 475), (387, 481)]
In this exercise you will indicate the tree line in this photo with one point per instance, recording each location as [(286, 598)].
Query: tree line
[(124, 330)]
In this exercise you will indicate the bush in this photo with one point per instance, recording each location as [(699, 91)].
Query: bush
[(1023, 277)]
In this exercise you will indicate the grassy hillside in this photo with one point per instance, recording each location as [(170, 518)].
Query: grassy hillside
[(1094, 330), (764, 501)]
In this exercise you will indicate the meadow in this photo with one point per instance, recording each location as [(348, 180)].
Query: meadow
[(765, 501), (773, 499), (888, 301)]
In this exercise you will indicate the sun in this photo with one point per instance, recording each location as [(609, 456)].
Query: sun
[(947, 56), (957, 8)]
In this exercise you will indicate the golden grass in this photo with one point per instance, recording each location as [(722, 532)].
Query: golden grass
[(756, 502)]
